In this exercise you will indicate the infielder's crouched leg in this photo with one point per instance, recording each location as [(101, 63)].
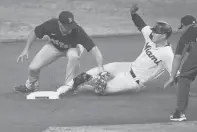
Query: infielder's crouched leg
[(71, 81), (44, 57), (72, 65)]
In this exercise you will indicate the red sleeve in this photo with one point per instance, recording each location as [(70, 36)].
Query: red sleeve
[(85, 40), (187, 37)]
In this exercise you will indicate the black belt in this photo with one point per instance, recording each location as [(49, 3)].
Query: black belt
[(134, 76)]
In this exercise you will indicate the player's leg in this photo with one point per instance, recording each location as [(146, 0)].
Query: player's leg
[(183, 84), (113, 68), (73, 65), (44, 57), (91, 76), (122, 82)]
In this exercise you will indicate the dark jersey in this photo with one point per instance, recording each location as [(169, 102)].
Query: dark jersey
[(77, 36), (188, 43)]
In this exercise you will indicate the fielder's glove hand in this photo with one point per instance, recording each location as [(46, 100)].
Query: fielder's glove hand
[(134, 8)]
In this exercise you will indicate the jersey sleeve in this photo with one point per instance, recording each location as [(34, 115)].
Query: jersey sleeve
[(85, 40), (141, 25), (41, 29), (138, 21), (146, 31), (183, 44)]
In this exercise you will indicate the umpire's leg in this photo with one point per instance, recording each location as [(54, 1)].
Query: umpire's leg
[(183, 93)]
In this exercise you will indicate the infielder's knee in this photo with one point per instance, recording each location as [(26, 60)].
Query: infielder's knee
[(34, 68), (72, 54)]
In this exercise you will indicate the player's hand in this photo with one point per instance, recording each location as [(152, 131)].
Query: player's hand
[(169, 83), (134, 8), (101, 69), (23, 55)]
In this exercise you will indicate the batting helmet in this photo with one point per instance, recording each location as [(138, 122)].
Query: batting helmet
[(162, 28)]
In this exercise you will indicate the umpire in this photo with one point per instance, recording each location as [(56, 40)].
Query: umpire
[(187, 46)]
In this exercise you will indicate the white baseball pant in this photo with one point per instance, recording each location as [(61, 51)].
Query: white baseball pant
[(122, 81)]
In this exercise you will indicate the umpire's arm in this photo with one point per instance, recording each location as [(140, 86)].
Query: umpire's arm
[(181, 51)]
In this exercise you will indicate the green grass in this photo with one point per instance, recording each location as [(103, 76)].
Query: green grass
[(96, 16)]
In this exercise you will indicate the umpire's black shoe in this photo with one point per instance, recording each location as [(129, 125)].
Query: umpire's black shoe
[(178, 116), (24, 89)]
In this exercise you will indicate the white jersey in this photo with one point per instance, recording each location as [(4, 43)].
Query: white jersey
[(153, 60)]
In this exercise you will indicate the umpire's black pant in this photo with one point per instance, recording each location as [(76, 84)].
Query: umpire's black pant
[(183, 84)]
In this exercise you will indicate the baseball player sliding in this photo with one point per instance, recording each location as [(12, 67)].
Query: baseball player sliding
[(67, 39), (156, 56)]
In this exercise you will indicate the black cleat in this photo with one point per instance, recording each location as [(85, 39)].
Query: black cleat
[(24, 89), (79, 80), (178, 116)]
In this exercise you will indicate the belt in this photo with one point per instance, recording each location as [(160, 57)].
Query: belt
[(134, 76)]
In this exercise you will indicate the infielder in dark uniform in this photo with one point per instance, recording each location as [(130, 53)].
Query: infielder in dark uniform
[(67, 39), (187, 45)]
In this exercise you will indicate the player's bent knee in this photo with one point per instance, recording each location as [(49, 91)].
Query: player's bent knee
[(72, 54), (34, 68), (112, 64)]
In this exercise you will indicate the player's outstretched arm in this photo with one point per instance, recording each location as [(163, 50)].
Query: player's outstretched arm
[(31, 38), (138, 21), (99, 58)]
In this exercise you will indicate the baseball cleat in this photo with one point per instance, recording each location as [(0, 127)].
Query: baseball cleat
[(178, 116), (63, 90), (79, 80), (24, 89)]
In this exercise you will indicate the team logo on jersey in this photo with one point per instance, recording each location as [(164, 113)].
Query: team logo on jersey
[(58, 43), (150, 54)]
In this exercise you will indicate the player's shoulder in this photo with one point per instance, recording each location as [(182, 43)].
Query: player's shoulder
[(80, 32), (48, 24), (52, 22), (167, 49), (146, 29), (191, 30)]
